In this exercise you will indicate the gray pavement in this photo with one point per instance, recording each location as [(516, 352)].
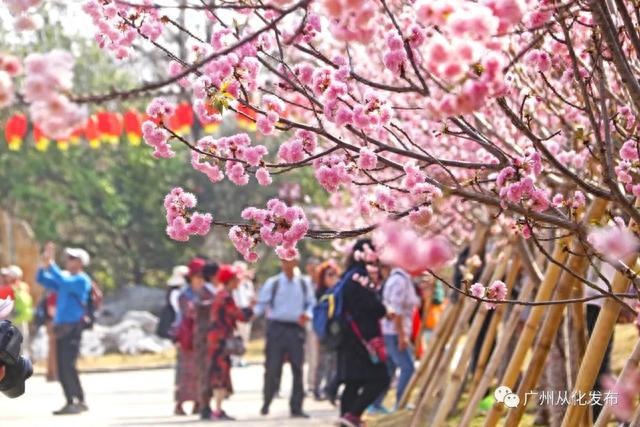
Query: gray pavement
[(144, 398)]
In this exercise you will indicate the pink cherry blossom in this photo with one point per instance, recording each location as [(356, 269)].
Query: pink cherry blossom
[(263, 176), (496, 291), (614, 242), (477, 290), (626, 390), (398, 245), (281, 227), (368, 159), (157, 138), (181, 223)]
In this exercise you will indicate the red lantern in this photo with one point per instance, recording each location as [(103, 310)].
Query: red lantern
[(91, 132), (15, 130), (40, 139), (109, 126), (182, 119), (132, 127), (246, 117)]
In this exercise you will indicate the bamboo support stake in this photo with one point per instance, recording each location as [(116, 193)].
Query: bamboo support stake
[(487, 345), (455, 380), (425, 381), (504, 339), (577, 263), (433, 352), (442, 366), (635, 421), (527, 336), (578, 336), (597, 345), (430, 352), (630, 365)]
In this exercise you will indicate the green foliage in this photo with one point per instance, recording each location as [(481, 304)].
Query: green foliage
[(109, 200)]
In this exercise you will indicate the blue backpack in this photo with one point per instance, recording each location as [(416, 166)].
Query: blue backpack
[(328, 321)]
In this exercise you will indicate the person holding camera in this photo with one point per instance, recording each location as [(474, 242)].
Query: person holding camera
[(73, 289), (14, 369)]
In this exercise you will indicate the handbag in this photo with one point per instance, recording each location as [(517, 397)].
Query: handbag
[(375, 346), (234, 346)]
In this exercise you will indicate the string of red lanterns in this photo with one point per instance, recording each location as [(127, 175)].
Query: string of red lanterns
[(107, 127)]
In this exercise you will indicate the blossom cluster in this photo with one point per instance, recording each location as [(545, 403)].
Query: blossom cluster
[(628, 168), (49, 76), (401, 246), (278, 226), (464, 51), (516, 183), (496, 291), (117, 24), (237, 154), (615, 242), (181, 222), (154, 130), (294, 150), (24, 13), (10, 67)]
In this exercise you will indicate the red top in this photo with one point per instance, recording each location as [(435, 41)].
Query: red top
[(6, 291)]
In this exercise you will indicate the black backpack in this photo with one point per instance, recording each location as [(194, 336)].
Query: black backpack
[(166, 320)]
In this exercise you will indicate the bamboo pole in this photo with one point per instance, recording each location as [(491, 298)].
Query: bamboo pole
[(577, 264), (461, 324), (527, 336), (630, 365), (590, 366), (504, 339), (635, 420), (441, 367), (487, 345), (578, 336), (455, 380), (425, 380), (430, 352)]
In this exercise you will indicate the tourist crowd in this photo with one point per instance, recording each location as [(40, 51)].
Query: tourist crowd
[(386, 316), (210, 308)]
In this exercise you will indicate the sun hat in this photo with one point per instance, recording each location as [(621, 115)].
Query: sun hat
[(178, 275)]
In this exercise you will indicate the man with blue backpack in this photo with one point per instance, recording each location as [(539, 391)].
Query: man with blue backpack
[(73, 289), (286, 300)]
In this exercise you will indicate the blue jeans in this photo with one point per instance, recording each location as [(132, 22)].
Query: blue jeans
[(397, 359)]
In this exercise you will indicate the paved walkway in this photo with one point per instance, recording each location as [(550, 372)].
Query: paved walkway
[(144, 398)]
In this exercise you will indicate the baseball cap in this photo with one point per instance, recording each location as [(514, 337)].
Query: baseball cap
[(79, 253), (14, 271)]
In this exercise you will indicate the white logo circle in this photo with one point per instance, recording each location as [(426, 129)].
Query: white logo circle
[(511, 400), (501, 392)]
